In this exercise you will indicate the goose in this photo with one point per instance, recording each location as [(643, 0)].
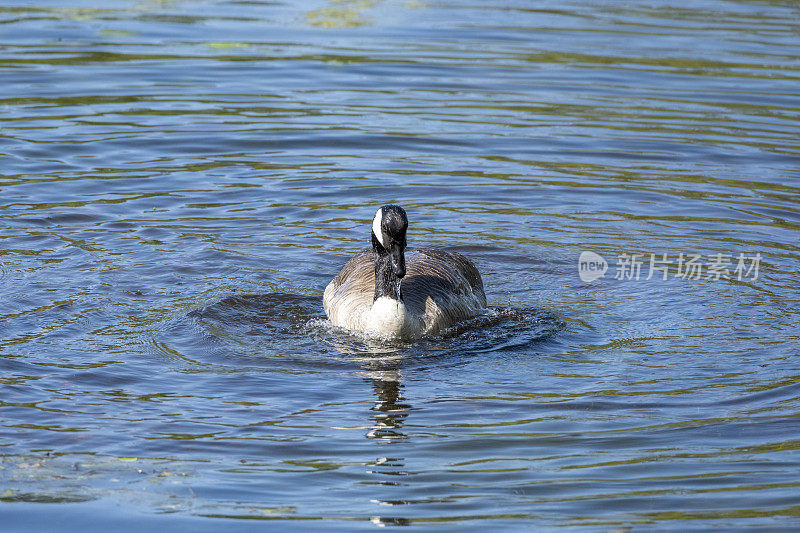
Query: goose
[(387, 292)]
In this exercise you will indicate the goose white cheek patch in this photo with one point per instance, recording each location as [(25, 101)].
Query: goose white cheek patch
[(376, 226)]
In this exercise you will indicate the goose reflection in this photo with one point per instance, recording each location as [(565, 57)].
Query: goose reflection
[(390, 410), (379, 365)]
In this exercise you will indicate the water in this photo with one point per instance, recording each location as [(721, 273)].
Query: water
[(180, 181)]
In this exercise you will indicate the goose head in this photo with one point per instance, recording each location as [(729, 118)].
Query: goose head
[(389, 244)]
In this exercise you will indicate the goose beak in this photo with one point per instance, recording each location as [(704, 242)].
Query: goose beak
[(398, 261)]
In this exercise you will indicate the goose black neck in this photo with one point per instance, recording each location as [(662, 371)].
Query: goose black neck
[(387, 282)]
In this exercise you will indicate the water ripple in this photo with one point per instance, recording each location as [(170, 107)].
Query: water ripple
[(179, 186)]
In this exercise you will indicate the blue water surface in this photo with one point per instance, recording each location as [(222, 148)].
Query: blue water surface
[(181, 179)]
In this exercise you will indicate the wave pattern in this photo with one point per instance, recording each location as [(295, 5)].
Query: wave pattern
[(181, 180)]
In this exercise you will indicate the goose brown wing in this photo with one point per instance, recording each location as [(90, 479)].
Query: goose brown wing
[(447, 279), (352, 290)]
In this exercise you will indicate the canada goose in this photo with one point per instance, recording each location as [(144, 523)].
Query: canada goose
[(439, 288)]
